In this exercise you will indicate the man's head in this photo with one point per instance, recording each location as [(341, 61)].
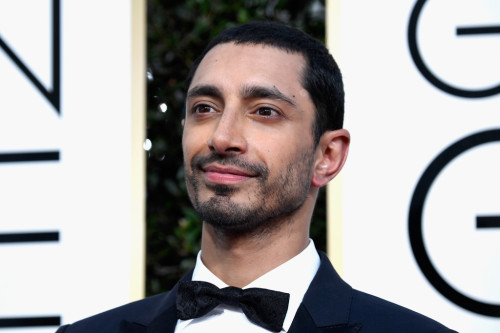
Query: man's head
[(321, 76), (250, 156)]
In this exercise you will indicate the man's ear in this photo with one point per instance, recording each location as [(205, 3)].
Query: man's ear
[(331, 154)]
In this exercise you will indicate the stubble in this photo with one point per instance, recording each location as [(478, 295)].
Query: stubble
[(270, 201)]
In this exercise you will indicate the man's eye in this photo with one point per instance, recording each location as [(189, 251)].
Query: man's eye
[(203, 109), (266, 112)]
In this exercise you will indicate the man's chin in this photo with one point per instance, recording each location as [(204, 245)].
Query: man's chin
[(221, 189), (224, 213)]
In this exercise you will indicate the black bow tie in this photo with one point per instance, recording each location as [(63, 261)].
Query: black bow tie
[(266, 308)]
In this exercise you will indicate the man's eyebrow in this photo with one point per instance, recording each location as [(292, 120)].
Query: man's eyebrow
[(204, 90), (265, 92)]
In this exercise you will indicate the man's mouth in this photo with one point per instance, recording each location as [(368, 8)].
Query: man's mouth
[(226, 175)]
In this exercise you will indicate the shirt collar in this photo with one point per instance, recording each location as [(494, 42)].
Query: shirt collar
[(292, 277)]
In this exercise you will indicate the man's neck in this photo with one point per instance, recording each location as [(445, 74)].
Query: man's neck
[(239, 259)]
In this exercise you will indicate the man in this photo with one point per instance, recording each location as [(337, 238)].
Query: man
[(262, 133)]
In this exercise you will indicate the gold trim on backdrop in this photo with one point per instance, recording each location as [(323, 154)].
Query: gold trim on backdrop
[(334, 188), (138, 157)]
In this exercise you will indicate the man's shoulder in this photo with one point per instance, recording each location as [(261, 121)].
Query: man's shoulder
[(330, 300), (384, 316), (142, 311)]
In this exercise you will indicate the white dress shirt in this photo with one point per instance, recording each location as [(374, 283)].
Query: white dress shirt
[(292, 277)]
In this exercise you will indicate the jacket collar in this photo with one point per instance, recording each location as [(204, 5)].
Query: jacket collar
[(325, 307), (326, 304)]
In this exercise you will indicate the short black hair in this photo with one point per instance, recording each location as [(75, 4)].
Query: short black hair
[(321, 77)]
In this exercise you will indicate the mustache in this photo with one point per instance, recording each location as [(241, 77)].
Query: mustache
[(258, 169)]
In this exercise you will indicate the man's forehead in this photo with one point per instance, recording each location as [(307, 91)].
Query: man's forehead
[(252, 59)]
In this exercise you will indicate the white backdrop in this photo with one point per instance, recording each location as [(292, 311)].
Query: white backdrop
[(425, 127), (71, 161)]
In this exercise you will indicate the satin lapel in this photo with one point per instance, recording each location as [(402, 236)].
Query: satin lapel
[(326, 304), (128, 327), (303, 322), (164, 324), (164, 321)]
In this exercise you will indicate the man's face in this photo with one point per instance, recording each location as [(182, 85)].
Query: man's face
[(247, 141)]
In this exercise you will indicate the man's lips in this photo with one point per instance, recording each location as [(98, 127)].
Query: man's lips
[(225, 174)]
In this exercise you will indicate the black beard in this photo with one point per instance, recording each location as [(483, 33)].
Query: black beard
[(278, 199)]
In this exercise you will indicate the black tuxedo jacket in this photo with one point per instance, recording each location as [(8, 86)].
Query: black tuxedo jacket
[(329, 306)]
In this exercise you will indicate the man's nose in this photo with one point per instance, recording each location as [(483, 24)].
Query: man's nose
[(228, 135)]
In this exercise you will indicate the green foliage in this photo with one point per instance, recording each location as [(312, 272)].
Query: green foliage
[(177, 33)]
